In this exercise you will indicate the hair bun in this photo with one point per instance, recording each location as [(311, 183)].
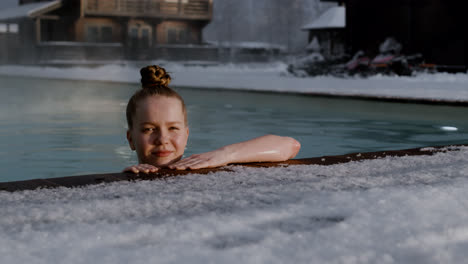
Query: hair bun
[(154, 76)]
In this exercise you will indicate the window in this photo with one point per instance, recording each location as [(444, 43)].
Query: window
[(140, 36), (92, 34), (172, 36), (183, 36), (178, 35), (8, 28), (134, 33), (106, 34), (145, 38), (13, 28), (99, 34)]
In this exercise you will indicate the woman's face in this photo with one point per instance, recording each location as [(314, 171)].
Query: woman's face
[(160, 133)]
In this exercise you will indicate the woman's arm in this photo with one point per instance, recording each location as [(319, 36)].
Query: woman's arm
[(266, 148)]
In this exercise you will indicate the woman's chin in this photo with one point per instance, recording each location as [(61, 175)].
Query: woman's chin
[(163, 162)]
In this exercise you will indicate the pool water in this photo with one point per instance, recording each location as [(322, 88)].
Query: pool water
[(55, 128)]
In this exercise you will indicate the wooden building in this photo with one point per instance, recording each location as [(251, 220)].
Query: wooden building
[(130, 29), (329, 31), (435, 28)]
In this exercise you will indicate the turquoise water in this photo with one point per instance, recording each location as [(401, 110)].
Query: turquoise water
[(54, 128)]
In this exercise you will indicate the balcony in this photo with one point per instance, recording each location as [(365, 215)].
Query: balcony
[(178, 9)]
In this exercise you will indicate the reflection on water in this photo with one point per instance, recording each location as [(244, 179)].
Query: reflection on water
[(53, 128)]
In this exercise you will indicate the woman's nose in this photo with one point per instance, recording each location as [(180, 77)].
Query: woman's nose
[(162, 137)]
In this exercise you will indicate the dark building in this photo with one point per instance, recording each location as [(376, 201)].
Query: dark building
[(329, 29), (438, 29)]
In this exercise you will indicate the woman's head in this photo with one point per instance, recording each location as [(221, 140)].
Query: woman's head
[(157, 119), (154, 82)]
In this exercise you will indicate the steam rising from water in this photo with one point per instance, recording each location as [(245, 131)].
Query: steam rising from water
[(62, 97)]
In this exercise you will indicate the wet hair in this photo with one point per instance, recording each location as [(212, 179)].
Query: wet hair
[(154, 82)]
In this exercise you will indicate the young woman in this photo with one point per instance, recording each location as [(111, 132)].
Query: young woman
[(158, 131)]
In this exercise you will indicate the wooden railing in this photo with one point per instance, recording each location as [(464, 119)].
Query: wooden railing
[(187, 9)]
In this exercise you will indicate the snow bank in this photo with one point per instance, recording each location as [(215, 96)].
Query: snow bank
[(267, 77), (391, 210)]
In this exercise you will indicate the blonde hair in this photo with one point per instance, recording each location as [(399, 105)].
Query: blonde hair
[(154, 82)]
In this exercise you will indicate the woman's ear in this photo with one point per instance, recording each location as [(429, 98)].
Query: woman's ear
[(130, 140)]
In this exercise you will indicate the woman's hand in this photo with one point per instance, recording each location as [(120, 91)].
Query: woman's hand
[(144, 168), (212, 159)]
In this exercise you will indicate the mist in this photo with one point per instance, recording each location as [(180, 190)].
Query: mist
[(269, 21)]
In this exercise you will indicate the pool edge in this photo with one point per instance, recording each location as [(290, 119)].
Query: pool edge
[(92, 179)]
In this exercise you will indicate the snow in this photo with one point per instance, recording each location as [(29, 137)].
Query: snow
[(25, 10), (390, 210), (335, 17), (449, 128), (265, 77)]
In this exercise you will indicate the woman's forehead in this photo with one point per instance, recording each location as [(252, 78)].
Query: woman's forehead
[(160, 107), (159, 103)]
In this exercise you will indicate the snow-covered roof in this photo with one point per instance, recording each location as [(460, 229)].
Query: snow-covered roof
[(334, 17), (29, 10)]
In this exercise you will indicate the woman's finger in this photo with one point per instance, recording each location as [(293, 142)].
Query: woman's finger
[(131, 169), (149, 167), (145, 168), (186, 160), (199, 165), (184, 165), (181, 163), (192, 162)]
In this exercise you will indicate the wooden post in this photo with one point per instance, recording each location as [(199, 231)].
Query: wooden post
[(210, 9), (179, 7), (38, 30), (84, 4)]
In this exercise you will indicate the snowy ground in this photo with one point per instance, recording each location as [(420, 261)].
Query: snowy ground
[(391, 210), (266, 77)]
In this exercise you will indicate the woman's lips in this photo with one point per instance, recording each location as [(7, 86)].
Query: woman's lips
[(163, 153)]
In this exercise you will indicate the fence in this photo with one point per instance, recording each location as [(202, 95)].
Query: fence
[(78, 52), (200, 9)]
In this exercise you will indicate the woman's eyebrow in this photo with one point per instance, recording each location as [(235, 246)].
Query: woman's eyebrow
[(147, 123), (174, 123)]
